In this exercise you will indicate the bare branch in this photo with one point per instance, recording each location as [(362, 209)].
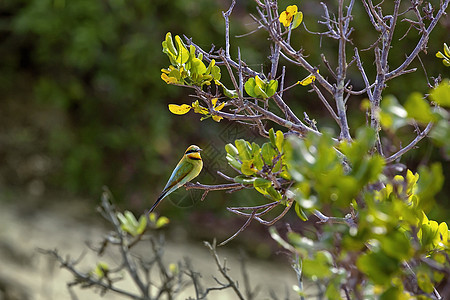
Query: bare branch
[(405, 149), (226, 16), (223, 270), (421, 44), (249, 220), (85, 278), (216, 187), (126, 255), (327, 105)]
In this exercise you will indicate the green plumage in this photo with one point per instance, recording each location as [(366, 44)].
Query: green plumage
[(187, 169)]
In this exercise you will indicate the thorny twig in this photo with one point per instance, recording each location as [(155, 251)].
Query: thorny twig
[(86, 280), (171, 283), (224, 271)]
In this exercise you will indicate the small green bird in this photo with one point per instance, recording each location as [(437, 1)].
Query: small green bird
[(187, 169)]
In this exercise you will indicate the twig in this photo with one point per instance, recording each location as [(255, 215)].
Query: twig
[(223, 270), (86, 278), (216, 187), (226, 16), (349, 219), (421, 43), (405, 149), (249, 220), (130, 266)]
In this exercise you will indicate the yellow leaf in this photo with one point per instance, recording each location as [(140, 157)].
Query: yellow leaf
[(307, 80), (167, 79), (287, 15), (217, 118), (259, 82), (221, 105), (162, 221), (214, 102), (284, 19), (446, 50), (292, 9), (443, 233), (179, 109), (199, 109)]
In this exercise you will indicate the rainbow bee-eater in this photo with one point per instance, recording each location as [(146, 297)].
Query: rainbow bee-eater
[(187, 169)]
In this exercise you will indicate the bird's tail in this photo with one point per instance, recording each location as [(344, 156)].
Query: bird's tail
[(157, 202)]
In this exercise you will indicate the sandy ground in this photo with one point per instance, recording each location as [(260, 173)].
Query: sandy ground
[(27, 274)]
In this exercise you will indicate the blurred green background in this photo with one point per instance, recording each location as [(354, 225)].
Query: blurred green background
[(83, 105)]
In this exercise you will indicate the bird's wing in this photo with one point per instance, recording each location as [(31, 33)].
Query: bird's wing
[(179, 176)]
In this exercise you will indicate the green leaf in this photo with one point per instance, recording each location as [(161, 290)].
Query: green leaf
[(424, 282), (428, 234), (320, 266), (378, 266), (262, 183), (272, 137), (431, 180), (257, 159), (247, 167), (268, 153), (419, 109), (279, 140), (300, 213), (265, 187), (272, 88), (232, 161), (215, 72), (273, 193), (256, 150), (183, 53), (244, 149), (302, 244), (333, 291), (169, 48), (298, 18), (131, 219), (277, 167), (255, 87), (394, 292), (101, 269), (244, 179), (411, 180), (231, 149), (392, 114), (142, 224), (259, 92), (396, 245), (232, 94), (197, 67), (249, 87), (212, 63), (191, 53), (441, 94)]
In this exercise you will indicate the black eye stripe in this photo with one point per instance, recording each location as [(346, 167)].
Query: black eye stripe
[(195, 158)]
